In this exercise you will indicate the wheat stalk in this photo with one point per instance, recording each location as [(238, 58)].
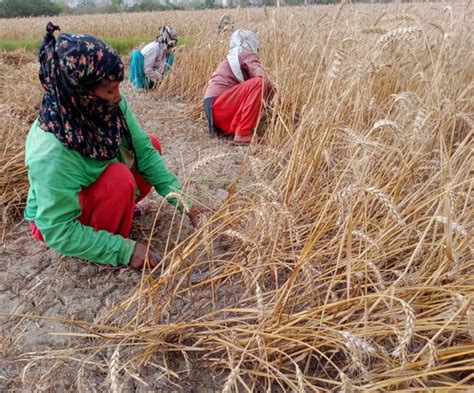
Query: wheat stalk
[(388, 203), (260, 304), (346, 383), (114, 370), (399, 34), (206, 161), (454, 225), (388, 123), (238, 235), (373, 30), (181, 199), (336, 66), (300, 379), (231, 379), (405, 338), (432, 356), (378, 275), (400, 16)]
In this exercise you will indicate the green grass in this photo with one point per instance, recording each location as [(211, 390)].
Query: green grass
[(121, 45), (29, 44), (125, 45)]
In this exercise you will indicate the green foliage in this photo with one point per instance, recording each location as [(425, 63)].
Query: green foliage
[(122, 45), (87, 4), (29, 44), (18, 8), (152, 5), (201, 6), (126, 45)]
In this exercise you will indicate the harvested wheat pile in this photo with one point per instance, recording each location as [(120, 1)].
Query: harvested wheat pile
[(20, 94)]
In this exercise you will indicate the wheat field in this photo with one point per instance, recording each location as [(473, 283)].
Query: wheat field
[(342, 259)]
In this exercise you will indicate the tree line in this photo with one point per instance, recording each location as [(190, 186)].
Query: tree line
[(22, 8)]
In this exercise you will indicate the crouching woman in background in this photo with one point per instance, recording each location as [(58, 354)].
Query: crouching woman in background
[(237, 90), (88, 160), (152, 63)]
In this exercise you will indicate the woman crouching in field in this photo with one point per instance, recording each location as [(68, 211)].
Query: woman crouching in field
[(149, 66), (237, 90), (88, 160)]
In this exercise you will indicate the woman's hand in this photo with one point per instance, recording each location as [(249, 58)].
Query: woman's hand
[(195, 212), (138, 258)]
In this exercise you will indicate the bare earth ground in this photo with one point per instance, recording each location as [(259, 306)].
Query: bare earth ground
[(37, 281)]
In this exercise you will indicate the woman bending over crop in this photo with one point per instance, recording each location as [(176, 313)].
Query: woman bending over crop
[(150, 65), (88, 160), (237, 90)]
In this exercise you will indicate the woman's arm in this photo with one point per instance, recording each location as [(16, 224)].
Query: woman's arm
[(150, 163), (250, 64)]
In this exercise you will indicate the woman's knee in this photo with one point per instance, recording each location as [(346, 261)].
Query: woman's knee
[(114, 189), (256, 85), (260, 84), (256, 82), (119, 178)]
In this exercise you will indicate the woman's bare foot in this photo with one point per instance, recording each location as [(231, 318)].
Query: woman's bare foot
[(244, 140)]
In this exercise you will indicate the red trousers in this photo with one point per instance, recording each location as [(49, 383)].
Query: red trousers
[(109, 203), (237, 110)]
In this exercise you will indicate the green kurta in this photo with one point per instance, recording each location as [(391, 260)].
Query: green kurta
[(57, 174)]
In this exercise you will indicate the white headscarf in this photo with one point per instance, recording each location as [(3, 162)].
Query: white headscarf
[(167, 36), (238, 40)]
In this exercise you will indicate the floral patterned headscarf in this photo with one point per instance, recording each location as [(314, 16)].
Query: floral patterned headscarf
[(70, 68)]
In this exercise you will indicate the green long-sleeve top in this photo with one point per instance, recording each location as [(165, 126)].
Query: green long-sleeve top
[(57, 174)]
